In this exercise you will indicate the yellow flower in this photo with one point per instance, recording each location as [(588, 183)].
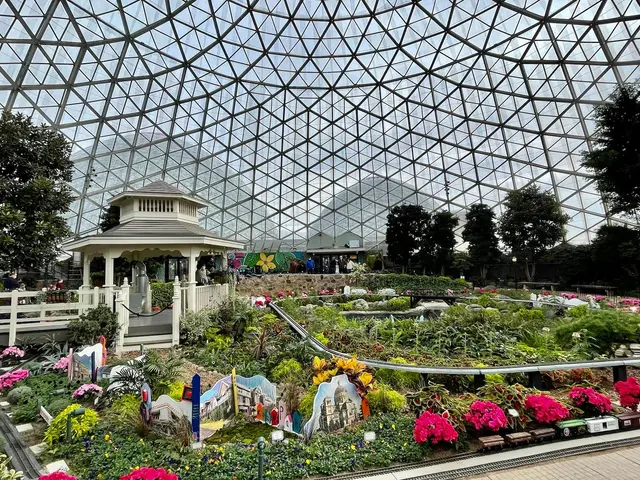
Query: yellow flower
[(106, 437), (353, 447), (393, 426), (137, 467), (266, 262), (350, 365), (106, 455), (308, 461), (366, 378), (186, 467), (318, 364)]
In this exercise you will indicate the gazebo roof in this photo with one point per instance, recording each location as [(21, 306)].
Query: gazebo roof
[(156, 189)]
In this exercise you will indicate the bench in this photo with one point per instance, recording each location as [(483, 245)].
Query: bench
[(542, 285), (609, 290), (493, 441)]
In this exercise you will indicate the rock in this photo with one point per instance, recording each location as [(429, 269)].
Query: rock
[(58, 466), (39, 449), (24, 428)]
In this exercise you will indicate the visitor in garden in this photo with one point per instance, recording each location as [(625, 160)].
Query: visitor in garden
[(349, 266), (59, 284), (343, 264), (311, 265), (202, 277), (11, 282)]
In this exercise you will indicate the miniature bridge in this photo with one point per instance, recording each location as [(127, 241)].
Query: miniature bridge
[(533, 370)]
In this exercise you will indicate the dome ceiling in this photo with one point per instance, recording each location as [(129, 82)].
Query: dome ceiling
[(271, 109)]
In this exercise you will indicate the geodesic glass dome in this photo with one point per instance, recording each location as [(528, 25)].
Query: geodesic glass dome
[(294, 117)]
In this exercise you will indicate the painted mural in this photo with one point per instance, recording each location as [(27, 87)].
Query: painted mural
[(266, 262), (336, 406)]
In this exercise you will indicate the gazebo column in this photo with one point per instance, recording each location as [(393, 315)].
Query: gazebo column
[(86, 273), (108, 278), (193, 266)]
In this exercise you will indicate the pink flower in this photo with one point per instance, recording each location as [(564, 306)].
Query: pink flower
[(9, 379), (486, 415), (88, 389), (267, 300), (12, 352), (588, 399), (259, 303), (62, 364), (149, 473), (545, 409), (433, 428), (59, 475), (280, 294)]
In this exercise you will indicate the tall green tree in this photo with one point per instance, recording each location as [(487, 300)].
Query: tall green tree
[(438, 241), (405, 226), (109, 218), (616, 255), (615, 160), (35, 167), (532, 222), (480, 232)]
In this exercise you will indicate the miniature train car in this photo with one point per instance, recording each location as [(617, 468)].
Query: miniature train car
[(602, 424), (571, 428), (491, 442), (541, 434), (628, 420)]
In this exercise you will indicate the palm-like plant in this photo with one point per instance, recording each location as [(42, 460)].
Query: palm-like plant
[(157, 372), (263, 345)]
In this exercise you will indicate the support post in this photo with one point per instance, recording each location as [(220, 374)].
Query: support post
[(261, 458), (86, 270), (425, 378), (193, 264), (96, 297), (124, 295), (120, 338), (535, 380), (177, 308), (13, 318), (479, 381), (619, 373), (108, 280)]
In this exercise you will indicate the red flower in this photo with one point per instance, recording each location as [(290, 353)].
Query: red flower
[(59, 475), (629, 392), (545, 409), (590, 401), (149, 473), (486, 415), (434, 428), (280, 294)]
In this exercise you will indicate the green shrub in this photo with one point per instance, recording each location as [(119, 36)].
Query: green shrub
[(194, 325), (437, 285), (161, 294), (216, 342), (604, 328), (578, 312), (98, 321), (398, 304), (398, 378), (175, 391), (385, 400), (321, 338), (58, 405), (306, 402), (125, 406), (80, 425), (20, 395), (287, 371), (26, 412)]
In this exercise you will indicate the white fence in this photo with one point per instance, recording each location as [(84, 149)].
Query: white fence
[(24, 313)]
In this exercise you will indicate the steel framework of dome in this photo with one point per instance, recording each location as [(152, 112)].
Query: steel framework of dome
[(293, 117)]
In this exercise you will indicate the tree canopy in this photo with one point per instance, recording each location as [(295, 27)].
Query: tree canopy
[(616, 254), (532, 222), (109, 218), (35, 167), (405, 226), (480, 233), (439, 240), (615, 161)]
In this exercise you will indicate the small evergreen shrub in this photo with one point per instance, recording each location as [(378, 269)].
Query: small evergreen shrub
[(398, 304), (80, 425), (306, 402), (98, 321), (20, 395), (58, 405), (194, 325), (385, 400), (287, 371), (398, 378), (26, 412), (161, 294)]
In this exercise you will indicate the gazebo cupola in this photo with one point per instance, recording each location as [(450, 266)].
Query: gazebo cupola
[(157, 201)]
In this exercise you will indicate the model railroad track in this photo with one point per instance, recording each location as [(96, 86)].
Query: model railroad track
[(489, 466), (22, 458), (434, 370)]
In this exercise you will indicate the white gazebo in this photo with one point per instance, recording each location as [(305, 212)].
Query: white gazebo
[(155, 220)]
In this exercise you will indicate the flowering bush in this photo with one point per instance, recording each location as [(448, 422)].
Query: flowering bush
[(629, 392), (149, 473), (545, 409), (12, 353), (87, 390), (62, 364), (569, 295), (433, 428), (9, 379), (59, 475), (593, 403), (80, 425), (486, 415)]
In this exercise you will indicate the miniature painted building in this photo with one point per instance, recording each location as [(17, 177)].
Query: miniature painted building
[(339, 412)]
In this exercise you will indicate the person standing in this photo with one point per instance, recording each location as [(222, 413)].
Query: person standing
[(11, 282), (350, 266), (311, 265)]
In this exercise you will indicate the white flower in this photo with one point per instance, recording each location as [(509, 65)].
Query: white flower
[(576, 334), (546, 329)]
